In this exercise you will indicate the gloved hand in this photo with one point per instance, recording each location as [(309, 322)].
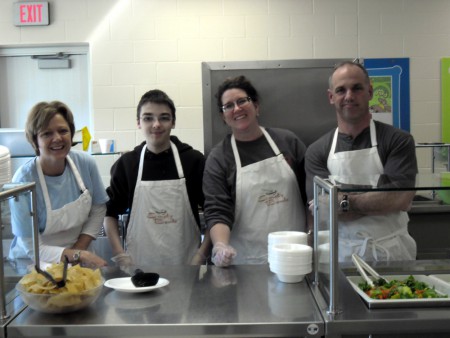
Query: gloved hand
[(223, 277), (222, 254), (123, 259)]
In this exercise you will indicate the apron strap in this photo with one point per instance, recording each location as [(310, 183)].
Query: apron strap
[(374, 245), (271, 142), (76, 174), (44, 184), (141, 164), (373, 134), (333, 144), (377, 243), (269, 139), (176, 157), (48, 205), (373, 137)]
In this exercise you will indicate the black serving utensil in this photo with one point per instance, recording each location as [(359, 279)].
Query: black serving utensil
[(143, 279), (62, 282), (49, 277)]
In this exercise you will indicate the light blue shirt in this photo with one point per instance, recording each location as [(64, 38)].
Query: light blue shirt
[(62, 189)]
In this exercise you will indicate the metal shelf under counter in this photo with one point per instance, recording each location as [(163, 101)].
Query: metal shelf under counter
[(200, 301)]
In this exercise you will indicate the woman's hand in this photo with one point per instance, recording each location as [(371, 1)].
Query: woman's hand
[(90, 260), (123, 260)]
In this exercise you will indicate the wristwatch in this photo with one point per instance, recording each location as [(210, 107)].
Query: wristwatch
[(345, 204), (76, 258)]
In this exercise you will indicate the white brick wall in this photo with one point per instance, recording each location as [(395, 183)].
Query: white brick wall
[(137, 45)]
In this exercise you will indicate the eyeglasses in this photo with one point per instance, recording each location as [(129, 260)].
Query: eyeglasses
[(153, 119), (226, 108)]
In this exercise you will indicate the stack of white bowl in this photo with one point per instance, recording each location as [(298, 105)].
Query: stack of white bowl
[(291, 262), (5, 166), (280, 237)]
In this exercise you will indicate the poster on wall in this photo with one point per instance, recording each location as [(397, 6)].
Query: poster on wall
[(390, 81), (445, 98)]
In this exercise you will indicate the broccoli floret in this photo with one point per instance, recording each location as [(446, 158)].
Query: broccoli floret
[(380, 282), (405, 292), (364, 286)]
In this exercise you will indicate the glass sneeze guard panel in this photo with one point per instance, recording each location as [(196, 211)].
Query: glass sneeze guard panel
[(326, 264), (11, 270)]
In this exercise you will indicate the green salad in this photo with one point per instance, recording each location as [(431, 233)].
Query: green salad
[(409, 288)]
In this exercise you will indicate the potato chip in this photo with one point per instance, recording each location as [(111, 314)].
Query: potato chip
[(79, 279), (73, 295), (64, 300)]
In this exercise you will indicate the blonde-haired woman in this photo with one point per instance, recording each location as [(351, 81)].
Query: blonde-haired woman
[(70, 194)]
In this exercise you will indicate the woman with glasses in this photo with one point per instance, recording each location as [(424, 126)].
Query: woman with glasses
[(160, 184), (254, 180)]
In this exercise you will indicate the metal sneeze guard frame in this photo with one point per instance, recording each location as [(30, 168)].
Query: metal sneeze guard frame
[(12, 193), (333, 297)]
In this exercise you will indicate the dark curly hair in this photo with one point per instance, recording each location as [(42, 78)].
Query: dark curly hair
[(239, 82)]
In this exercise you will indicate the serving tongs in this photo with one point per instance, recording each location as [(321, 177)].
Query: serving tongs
[(49, 277), (361, 266)]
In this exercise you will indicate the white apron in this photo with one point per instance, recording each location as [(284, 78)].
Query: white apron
[(162, 228), (63, 226), (383, 237), (267, 199)]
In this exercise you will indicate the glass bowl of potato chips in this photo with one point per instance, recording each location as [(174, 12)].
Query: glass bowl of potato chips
[(82, 288)]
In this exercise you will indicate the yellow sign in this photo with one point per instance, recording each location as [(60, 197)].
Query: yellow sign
[(86, 138)]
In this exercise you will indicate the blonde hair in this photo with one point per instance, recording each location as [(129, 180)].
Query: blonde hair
[(39, 118)]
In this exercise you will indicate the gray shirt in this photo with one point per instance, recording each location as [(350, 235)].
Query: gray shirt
[(396, 148), (219, 178)]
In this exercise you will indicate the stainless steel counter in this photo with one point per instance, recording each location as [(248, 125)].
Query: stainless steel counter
[(242, 301), (206, 301), (356, 318)]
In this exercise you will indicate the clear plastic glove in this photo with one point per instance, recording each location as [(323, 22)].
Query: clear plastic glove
[(123, 259), (223, 277), (222, 254)]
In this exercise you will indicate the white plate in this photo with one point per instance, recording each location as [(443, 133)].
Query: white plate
[(124, 284)]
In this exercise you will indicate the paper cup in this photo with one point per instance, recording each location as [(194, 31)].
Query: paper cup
[(106, 145)]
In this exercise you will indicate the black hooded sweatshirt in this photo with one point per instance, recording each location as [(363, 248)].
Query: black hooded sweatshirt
[(157, 167)]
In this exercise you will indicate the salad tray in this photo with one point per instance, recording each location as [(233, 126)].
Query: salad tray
[(441, 277), (439, 284)]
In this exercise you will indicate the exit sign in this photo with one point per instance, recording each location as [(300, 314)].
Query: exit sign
[(31, 13)]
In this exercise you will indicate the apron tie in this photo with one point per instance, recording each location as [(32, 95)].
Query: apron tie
[(376, 243), (373, 243)]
